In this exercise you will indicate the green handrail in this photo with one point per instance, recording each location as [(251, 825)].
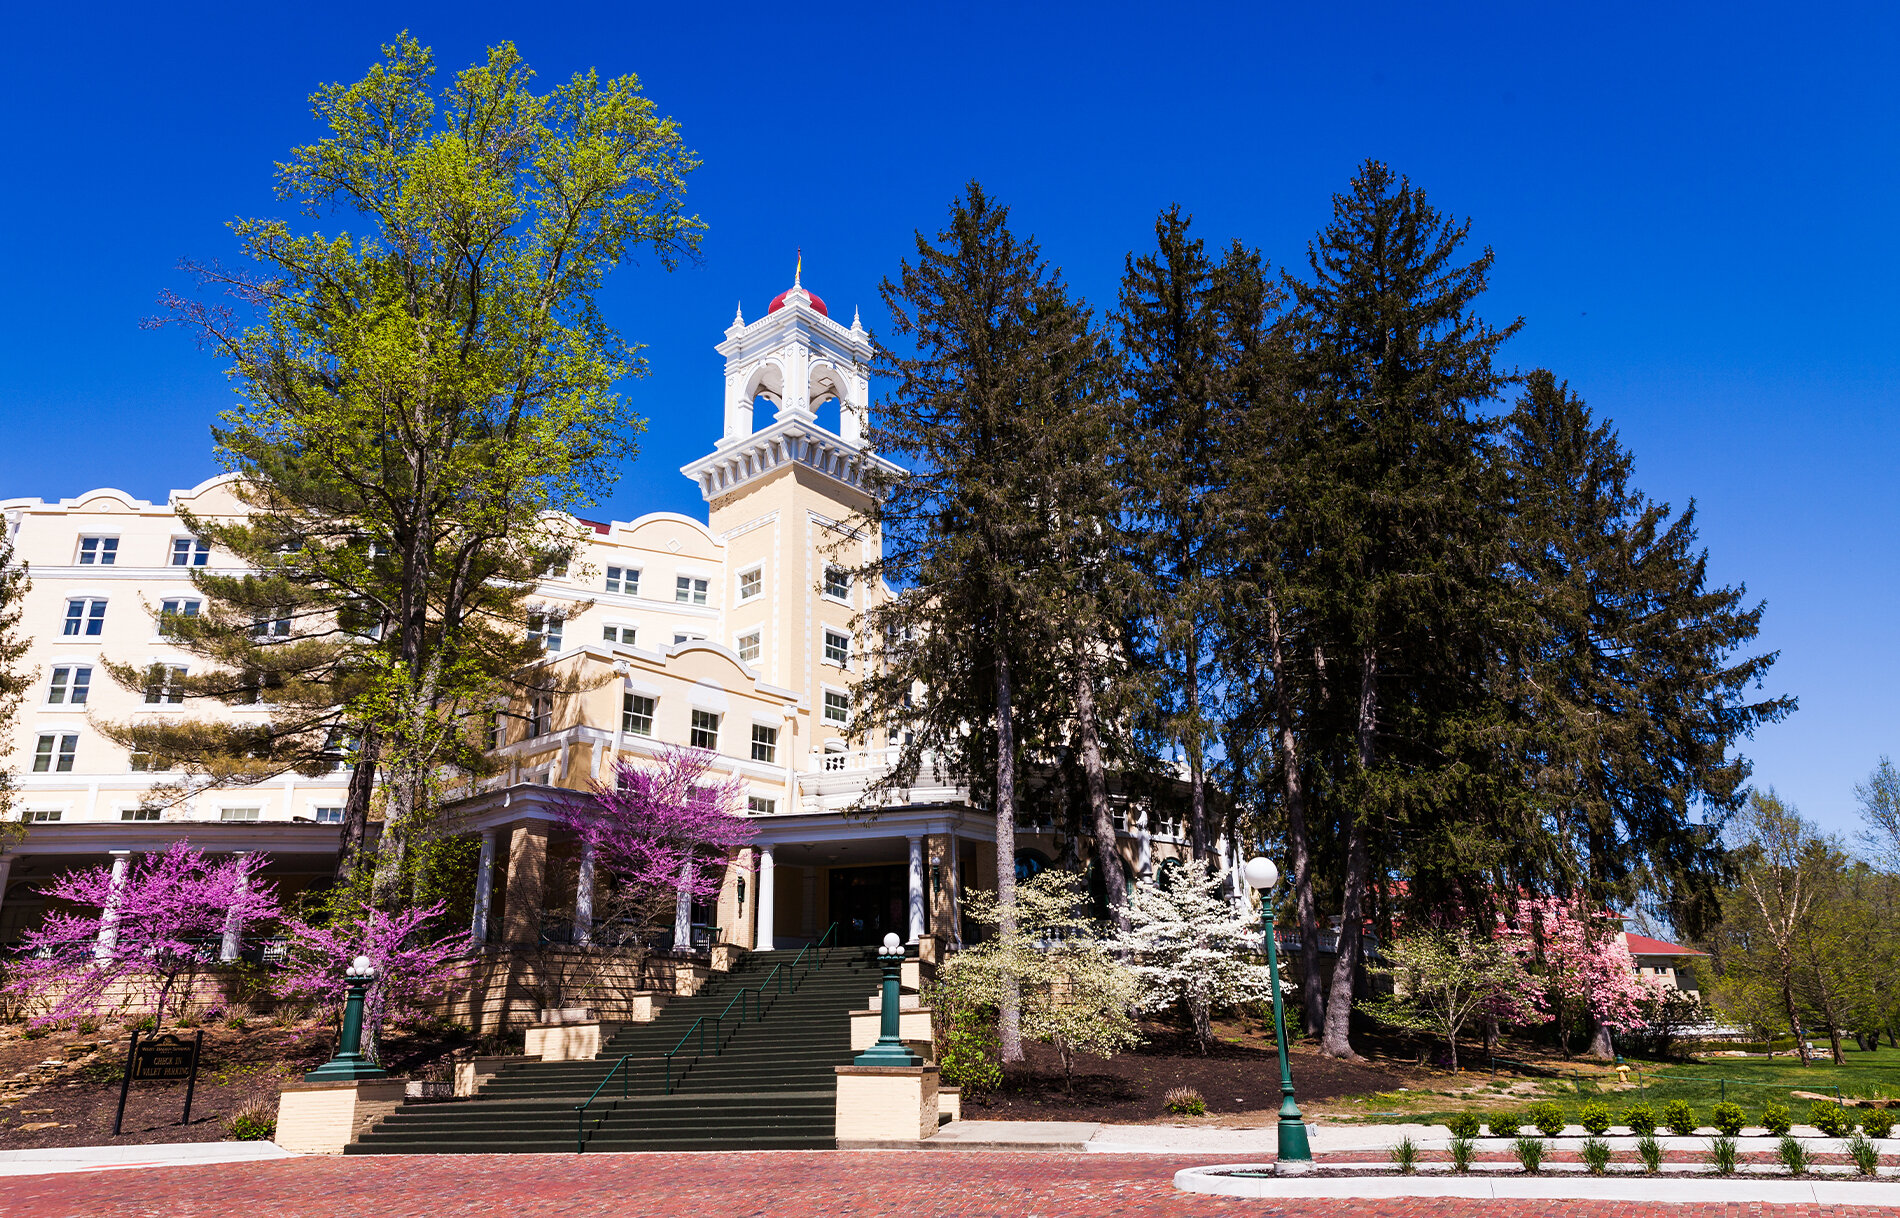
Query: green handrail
[(580, 1110), (738, 999)]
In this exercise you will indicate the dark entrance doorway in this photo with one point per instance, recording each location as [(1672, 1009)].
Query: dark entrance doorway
[(869, 902)]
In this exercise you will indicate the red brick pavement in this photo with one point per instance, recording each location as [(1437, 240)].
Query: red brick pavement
[(785, 1185)]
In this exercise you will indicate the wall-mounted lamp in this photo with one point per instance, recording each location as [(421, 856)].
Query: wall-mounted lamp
[(742, 894), (936, 880)]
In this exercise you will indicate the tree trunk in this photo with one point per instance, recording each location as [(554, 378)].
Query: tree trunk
[(1009, 1015), (1794, 1012), (1600, 1045), (356, 807), (1299, 848), (1108, 854), (1490, 1036), (1200, 845), (1337, 1041)]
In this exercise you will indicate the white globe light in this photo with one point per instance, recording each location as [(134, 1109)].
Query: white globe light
[(892, 943), (361, 967), (1261, 873)]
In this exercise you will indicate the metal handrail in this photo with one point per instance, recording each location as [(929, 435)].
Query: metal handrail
[(580, 1110), (738, 999)]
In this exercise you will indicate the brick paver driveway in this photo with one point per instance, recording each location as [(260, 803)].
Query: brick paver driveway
[(785, 1184)]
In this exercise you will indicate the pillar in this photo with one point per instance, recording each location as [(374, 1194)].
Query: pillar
[(765, 901), (6, 865), (484, 887), (109, 917), (584, 896), (233, 933), (527, 882), (683, 910), (916, 888)]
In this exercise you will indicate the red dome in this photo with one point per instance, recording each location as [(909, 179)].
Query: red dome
[(778, 302)]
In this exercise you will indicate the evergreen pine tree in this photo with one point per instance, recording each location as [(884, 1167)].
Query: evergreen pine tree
[(14, 679)]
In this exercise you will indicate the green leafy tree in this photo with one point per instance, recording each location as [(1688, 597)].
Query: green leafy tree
[(15, 680), (423, 394), (1443, 980)]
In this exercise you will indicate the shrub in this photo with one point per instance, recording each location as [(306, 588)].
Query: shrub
[(1830, 1118), (1678, 1118), (1595, 1118), (1547, 1117), (1186, 1101), (1640, 1119), (1775, 1119), (1465, 1125), (1596, 1155), (1530, 1153), (1650, 1151), (1461, 1149), (236, 1023), (1504, 1124), (1866, 1156), (1405, 1156), (144, 1023), (1727, 1119), (1878, 1122), (971, 1057), (33, 1031), (1794, 1156), (87, 1026), (254, 1122), (1722, 1156)]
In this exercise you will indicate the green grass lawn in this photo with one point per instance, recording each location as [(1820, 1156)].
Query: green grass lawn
[(1748, 1081)]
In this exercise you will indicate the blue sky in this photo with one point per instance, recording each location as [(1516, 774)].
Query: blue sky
[(1692, 206)]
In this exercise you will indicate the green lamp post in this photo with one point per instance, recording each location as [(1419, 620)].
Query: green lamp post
[(889, 1049), (1263, 875), (349, 1064)]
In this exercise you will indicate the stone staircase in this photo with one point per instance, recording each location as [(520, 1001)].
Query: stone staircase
[(771, 1088)]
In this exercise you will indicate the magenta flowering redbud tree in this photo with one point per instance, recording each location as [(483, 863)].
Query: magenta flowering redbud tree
[(412, 958), (161, 926)]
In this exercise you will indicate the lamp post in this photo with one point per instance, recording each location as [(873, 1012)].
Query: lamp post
[(349, 1063), (1262, 875), (889, 1049)]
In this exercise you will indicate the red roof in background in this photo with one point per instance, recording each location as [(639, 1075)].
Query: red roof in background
[(1643, 945), (597, 526), (778, 302)]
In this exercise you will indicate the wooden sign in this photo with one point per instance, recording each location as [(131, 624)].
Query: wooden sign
[(168, 1058)]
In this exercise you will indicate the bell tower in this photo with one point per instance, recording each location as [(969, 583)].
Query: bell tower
[(795, 358)]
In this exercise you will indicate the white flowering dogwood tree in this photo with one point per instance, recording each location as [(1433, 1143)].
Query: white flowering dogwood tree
[(1186, 945)]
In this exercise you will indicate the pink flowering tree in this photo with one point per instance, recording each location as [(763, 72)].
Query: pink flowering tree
[(662, 833), (1586, 966), (139, 941), (413, 958)]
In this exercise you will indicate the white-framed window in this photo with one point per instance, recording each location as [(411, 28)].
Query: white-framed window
[(171, 609), (546, 629), (751, 583), (618, 634), (54, 752), (837, 706), (624, 579), (328, 816), (139, 814), (749, 646), (705, 730), (690, 590), (687, 636), (540, 716), (190, 552), (557, 569), (636, 714), (148, 763), (837, 648), (764, 743), (162, 685), (70, 686), (40, 816), (758, 805), (271, 628), (238, 813), (85, 616), (837, 583), (98, 551)]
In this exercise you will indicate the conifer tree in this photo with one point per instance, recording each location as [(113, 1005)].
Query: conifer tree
[(14, 679)]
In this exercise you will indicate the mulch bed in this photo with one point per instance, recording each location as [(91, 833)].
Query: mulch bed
[(1130, 1087)]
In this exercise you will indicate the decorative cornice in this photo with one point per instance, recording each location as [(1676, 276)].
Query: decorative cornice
[(796, 440)]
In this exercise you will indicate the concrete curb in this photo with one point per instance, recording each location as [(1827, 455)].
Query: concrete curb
[(1540, 1188), (53, 1159)]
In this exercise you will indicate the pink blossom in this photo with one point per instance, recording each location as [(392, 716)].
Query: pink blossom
[(665, 824), (1586, 959), (412, 963)]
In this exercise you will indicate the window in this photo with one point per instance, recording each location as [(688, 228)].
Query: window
[(751, 583), (760, 807), (624, 579), (684, 637), (329, 816), (618, 634), (162, 685), (39, 816), (98, 551), (171, 609), (190, 552), (557, 569), (71, 684), (837, 583), (147, 763), (689, 591), (271, 628), (705, 733), (237, 813), (834, 756), (139, 814), (547, 629), (86, 617), (540, 712), (636, 715), (837, 707), (55, 752), (764, 743), (837, 648), (749, 647)]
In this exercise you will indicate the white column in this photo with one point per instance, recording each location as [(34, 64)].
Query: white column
[(916, 888), (1144, 846), (109, 917), (766, 900), (233, 930), (584, 897), (6, 865), (484, 887), (683, 910)]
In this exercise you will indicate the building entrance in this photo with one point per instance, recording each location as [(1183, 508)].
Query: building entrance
[(869, 902)]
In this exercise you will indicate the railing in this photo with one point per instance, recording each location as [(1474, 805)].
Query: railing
[(580, 1110), (789, 976)]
